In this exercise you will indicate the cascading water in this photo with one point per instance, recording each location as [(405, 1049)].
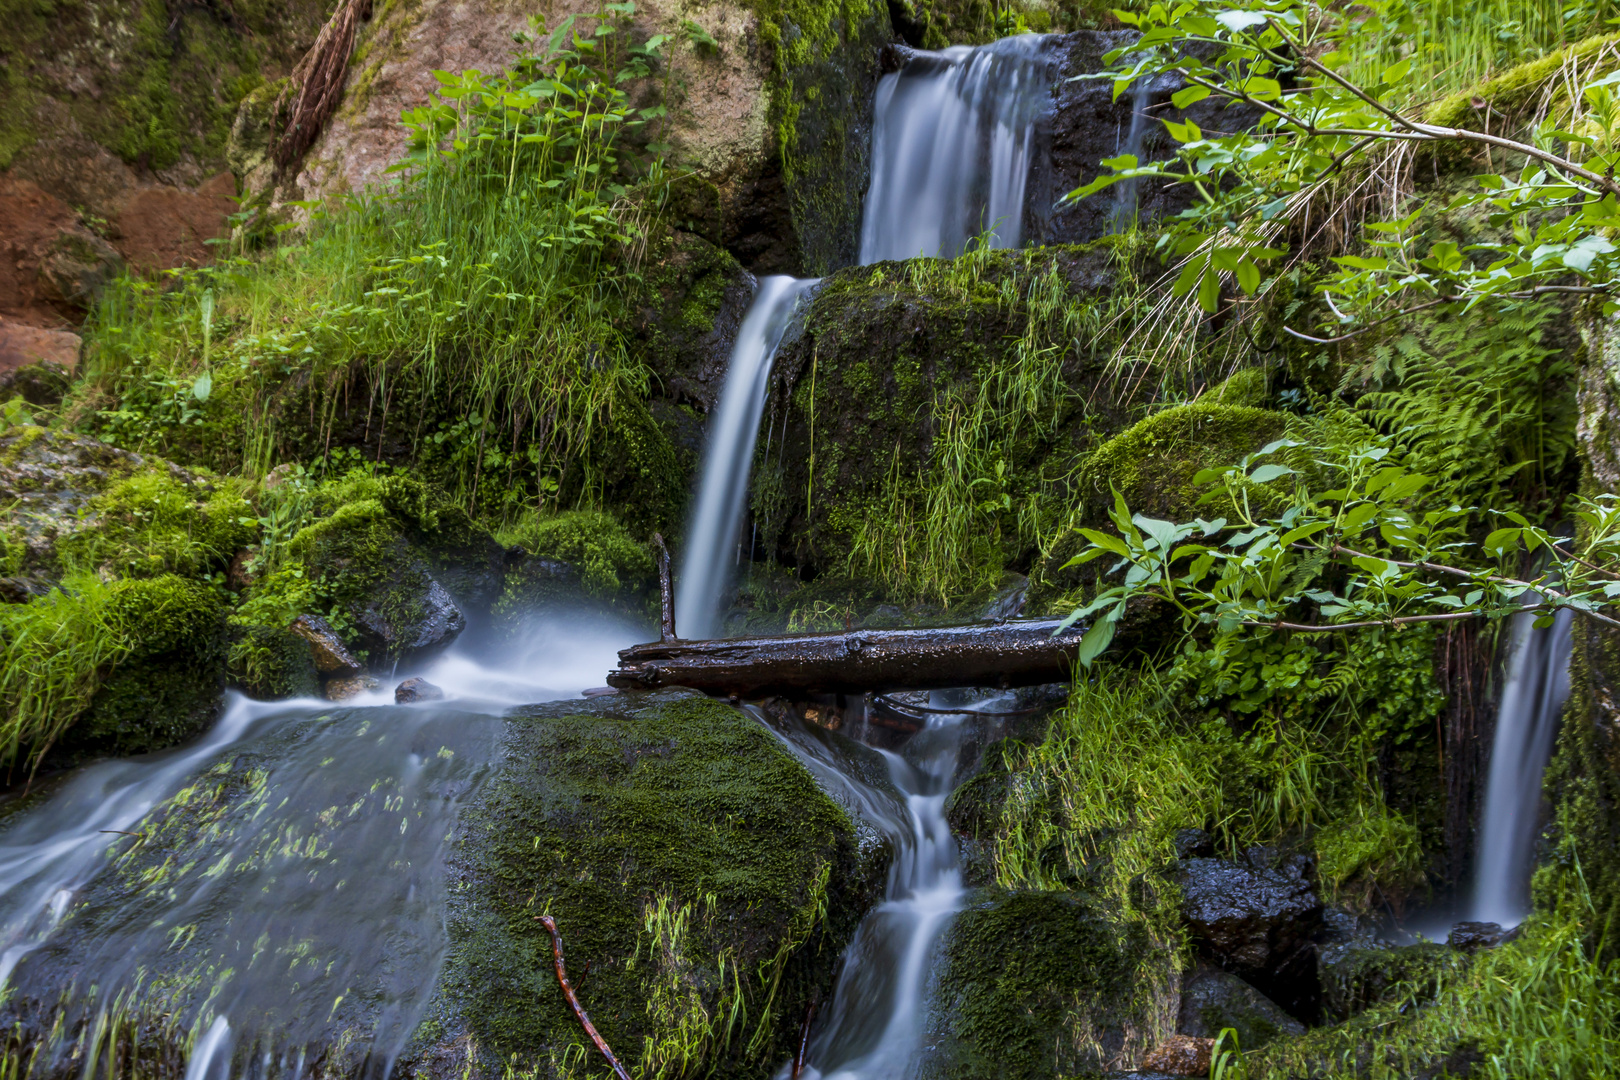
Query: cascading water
[(952, 137), (874, 1026), (729, 457), (1123, 211), (277, 887), (951, 150), (1533, 695)]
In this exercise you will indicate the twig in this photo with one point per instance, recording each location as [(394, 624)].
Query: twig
[(1590, 566), (1328, 628), (666, 593), (568, 992), (804, 1041)]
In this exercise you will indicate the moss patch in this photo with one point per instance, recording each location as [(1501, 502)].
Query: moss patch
[(1038, 984), (616, 817)]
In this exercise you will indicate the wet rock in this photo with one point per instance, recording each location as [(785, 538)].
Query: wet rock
[(345, 687), (1213, 1000), (1359, 974), (1194, 843), (1257, 918), (1034, 985), (1087, 124), (614, 810), (42, 383), (79, 266), (425, 622), (1470, 937), (1180, 1055), (325, 647), (412, 690)]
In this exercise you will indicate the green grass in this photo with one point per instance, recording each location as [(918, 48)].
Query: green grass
[(481, 292)]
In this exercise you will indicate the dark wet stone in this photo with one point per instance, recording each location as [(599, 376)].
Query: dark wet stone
[(425, 624), (325, 647), (416, 690), (1473, 936), (1213, 1000), (1257, 918), (1194, 843)]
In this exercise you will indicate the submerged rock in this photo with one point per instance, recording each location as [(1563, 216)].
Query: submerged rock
[(1213, 1000), (413, 690)]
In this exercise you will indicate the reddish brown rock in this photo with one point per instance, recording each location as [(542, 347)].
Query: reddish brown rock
[(327, 650), (21, 345), (1180, 1055), (348, 686), (163, 227)]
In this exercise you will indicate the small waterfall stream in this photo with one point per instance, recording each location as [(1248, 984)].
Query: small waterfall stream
[(951, 149), (1533, 694)]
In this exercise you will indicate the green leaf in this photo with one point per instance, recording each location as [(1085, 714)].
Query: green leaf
[(1107, 542), (1209, 291), (1248, 276), (1266, 473), (1189, 96), (1096, 640), (1502, 541), (202, 387)]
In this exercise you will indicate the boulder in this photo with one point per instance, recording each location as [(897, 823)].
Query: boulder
[(1257, 918), (423, 620), (1358, 975), (625, 817), (1470, 937), (1038, 984), (414, 690), (1213, 1000)]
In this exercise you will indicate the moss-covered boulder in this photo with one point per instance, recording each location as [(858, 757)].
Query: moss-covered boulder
[(1356, 977), (703, 885), (573, 559), (927, 415), (1039, 984), (1152, 465)]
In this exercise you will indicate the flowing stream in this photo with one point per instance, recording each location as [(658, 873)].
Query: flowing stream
[(278, 883), (1533, 694)]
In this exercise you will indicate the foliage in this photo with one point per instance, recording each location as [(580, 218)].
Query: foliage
[(1298, 71), (1123, 769), (1355, 508), (1538, 1006), (488, 277)]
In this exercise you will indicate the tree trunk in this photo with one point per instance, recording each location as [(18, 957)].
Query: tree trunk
[(1002, 654)]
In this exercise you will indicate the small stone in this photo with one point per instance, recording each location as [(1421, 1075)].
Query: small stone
[(1471, 937), (324, 646), (345, 687), (599, 691), (1180, 1055), (416, 690)]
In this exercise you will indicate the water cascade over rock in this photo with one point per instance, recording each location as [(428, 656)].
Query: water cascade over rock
[(1534, 690)]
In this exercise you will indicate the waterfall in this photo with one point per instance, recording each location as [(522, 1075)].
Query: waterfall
[(729, 456), (952, 136), (1533, 694), (873, 1027), (1123, 211), (951, 146)]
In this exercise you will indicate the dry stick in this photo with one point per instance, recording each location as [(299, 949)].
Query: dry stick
[(804, 1041), (568, 992), (666, 593)]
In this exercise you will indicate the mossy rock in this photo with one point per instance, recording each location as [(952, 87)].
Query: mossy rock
[(1151, 465), (1357, 977), (864, 399), (574, 558), (1036, 984), (605, 813), (168, 688)]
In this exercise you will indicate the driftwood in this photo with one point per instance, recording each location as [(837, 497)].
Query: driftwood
[(316, 84), (568, 992), (1003, 654)]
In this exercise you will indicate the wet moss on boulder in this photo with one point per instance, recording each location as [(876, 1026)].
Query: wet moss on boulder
[(703, 885), (1037, 984)]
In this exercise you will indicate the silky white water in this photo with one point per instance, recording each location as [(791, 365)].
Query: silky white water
[(282, 878), (952, 137), (1534, 690), (710, 556)]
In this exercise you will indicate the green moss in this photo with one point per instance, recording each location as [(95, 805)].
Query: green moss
[(167, 687), (164, 521), (1522, 87), (607, 558), (1363, 977), (614, 817), (1040, 984)]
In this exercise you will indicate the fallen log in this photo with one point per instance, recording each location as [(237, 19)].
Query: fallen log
[(999, 654)]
